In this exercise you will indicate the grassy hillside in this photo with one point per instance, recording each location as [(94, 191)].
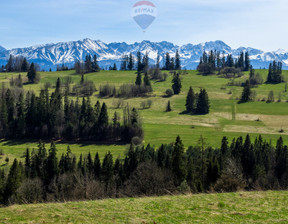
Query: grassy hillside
[(243, 207), (161, 127)]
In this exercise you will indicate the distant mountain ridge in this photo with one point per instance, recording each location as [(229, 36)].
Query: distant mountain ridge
[(51, 55), (2, 49)]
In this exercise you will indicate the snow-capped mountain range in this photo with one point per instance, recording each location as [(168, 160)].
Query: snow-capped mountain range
[(51, 55)]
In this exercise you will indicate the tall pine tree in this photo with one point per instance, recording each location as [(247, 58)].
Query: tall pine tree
[(178, 162), (190, 101), (246, 94), (203, 105), (176, 84)]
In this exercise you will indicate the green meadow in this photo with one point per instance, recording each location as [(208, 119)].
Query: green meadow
[(240, 207), (161, 127)]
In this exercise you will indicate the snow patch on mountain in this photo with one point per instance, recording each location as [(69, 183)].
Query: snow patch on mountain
[(51, 55), (2, 49)]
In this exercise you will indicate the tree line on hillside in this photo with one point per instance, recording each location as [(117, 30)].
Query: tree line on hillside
[(140, 88), (47, 117), (145, 171), (275, 73), (249, 95), (89, 65), (255, 79), (17, 64), (213, 61), (141, 64), (20, 64)]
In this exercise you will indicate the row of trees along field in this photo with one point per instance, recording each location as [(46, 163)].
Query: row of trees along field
[(47, 117), (129, 62), (274, 77), (145, 171), (20, 64), (213, 62), (17, 64), (89, 65)]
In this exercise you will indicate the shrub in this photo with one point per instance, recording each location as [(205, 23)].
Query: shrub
[(231, 73), (143, 105), (30, 191), (47, 85), (149, 103), (231, 179), (169, 92), (270, 97), (184, 188), (68, 80), (256, 80), (221, 204), (107, 90), (136, 141), (149, 180), (146, 104), (156, 74), (85, 89), (133, 90), (118, 103)]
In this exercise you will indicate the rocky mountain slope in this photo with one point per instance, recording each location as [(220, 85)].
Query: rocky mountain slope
[(51, 55)]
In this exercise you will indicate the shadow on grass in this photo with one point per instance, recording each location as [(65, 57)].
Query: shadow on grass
[(82, 143), (11, 142), (165, 96), (189, 113)]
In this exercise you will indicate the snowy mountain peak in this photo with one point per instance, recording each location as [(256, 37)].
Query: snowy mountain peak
[(280, 51), (51, 55), (2, 49)]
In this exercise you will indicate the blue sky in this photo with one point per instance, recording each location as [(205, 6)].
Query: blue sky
[(261, 24)]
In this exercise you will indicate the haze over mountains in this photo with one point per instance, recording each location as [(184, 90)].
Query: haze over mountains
[(51, 55)]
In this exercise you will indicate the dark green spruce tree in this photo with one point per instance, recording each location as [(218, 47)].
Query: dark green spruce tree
[(97, 166), (168, 107), (138, 81), (51, 165), (146, 80), (103, 117), (31, 75), (177, 61), (176, 86), (190, 101), (178, 162), (139, 62), (247, 64), (246, 94), (14, 180), (167, 62), (131, 62), (203, 105), (107, 170)]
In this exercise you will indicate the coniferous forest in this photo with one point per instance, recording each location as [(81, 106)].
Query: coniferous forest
[(56, 117), (45, 176)]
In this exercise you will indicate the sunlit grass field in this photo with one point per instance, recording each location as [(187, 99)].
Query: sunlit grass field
[(241, 207), (161, 127)]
